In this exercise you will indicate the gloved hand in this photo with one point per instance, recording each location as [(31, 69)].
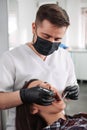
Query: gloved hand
[(71, 92), (38, 95)]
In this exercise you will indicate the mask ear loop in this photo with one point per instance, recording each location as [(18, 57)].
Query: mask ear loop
[(33, 38)]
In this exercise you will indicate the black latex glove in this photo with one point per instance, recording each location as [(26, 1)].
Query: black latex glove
[(71, 92), (38, 95)]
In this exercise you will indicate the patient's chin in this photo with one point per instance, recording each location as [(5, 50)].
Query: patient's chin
[(62, 106)]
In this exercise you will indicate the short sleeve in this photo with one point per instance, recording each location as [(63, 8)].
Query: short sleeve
[(7, 72), (71, 80)]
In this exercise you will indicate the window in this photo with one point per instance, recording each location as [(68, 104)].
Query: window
[(13, 23), (84, 26)]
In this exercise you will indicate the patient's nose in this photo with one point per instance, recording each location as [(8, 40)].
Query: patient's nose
[(58, 97)]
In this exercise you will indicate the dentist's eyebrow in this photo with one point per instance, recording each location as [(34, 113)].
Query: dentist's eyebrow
[(48, 35)]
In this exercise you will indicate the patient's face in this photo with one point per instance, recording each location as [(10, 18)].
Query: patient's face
[(56, 106)]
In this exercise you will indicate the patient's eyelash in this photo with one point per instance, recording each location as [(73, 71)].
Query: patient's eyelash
[(45, 82)]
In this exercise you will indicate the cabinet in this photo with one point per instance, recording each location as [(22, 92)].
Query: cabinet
[(80, 62)]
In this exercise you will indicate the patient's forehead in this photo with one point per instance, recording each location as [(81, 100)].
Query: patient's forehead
[(42, 84), (35, 83)]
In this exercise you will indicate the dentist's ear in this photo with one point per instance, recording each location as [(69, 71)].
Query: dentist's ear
[(34, 32), (33, 28), (34, 109)]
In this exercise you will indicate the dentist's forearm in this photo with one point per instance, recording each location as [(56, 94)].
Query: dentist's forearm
[(9, 99)]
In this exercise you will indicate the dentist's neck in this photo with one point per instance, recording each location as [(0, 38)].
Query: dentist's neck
[(41, 56)]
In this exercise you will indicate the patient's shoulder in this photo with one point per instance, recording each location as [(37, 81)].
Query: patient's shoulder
[(79, 115)]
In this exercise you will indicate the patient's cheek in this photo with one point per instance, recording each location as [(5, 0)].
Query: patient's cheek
[(64, 105)]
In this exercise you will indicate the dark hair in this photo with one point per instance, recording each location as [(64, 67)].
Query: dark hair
[(53, 13), (24, 119)]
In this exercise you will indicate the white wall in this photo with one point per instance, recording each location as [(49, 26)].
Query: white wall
[(26, 14), (63, 4), (40, 2), (73, 9), (72, 37), (3, 26)]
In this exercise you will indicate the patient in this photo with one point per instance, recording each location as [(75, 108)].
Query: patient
[(38, 117)]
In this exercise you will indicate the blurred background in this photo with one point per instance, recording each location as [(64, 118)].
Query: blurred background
[(16, 17)]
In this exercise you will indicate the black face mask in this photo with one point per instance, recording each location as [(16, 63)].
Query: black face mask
[(45, 47)]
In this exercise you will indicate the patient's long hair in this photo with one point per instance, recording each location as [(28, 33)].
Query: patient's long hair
[(25, 120)]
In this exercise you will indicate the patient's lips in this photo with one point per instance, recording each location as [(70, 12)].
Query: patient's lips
[(55, 96)]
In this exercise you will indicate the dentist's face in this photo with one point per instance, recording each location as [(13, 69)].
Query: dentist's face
[(48, 31), (56, 107)]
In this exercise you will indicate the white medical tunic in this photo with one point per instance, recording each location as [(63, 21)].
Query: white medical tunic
[(22, 64)]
